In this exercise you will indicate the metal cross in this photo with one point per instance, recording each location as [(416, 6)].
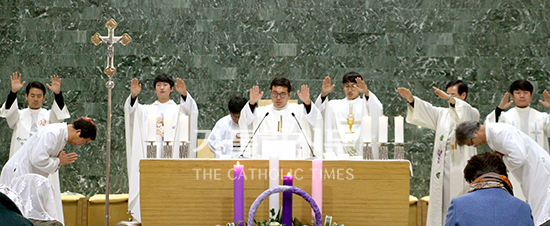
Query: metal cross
[(109, 70), (111, 40)]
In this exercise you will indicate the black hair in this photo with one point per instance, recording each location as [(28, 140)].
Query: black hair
[(521, 84), (86, 126), (37, 85), (350, 77), (163, 78), (462, 87), (484, 163), (236, 104), (281, 81)]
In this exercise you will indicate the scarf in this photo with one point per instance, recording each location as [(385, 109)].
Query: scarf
[(491, 180)]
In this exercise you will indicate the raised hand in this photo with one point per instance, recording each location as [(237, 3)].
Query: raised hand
[(55, 87), (16, 84), (442, 94), (65, 158), (546, 101), (362, 86), (504, 103), (255, 95), (405, 93), (327, 87), (135, 87), (181, 87), (303, 94)]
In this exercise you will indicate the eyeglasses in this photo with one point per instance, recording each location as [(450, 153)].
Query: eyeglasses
[(350, 88), (278, 95)]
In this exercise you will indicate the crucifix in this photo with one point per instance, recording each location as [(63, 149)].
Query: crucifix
[(109, 70)]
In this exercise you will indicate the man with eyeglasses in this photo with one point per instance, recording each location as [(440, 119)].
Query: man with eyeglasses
[(282, 116), (523, 157), (448, 161), (359, 101), (225, 138)]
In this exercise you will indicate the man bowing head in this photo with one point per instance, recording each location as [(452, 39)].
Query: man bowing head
[(43, 153)]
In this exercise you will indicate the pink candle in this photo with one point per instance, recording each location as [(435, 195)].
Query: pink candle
[(317, 182), (238, 194), (287, 201)]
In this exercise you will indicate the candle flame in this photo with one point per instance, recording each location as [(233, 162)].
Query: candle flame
[(238, 163), (288, 174)]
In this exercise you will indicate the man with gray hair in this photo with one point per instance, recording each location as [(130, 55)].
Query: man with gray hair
[(526, 159)]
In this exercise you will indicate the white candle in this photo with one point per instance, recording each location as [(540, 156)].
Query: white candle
[(399, 124), (367, 128), (151, 128), (383, 129), (184, 127), (168, 131), (274, 181)]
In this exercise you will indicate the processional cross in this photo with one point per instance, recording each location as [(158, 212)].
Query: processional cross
[(109, 70)]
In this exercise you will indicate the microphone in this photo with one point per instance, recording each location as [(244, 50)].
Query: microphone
[(310, 149), (250, 140)]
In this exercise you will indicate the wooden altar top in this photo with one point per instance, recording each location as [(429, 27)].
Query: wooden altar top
[(200, 191)]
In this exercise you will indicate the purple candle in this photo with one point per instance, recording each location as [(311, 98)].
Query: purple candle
[(287, 201), (238, 194)]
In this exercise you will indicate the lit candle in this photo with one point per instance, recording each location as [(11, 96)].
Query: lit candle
[(383, 129), (168, 131), (184, 127), (274, 182), (287, 201), (367, 128), (399, 124), (238, 194), (151, 128), (317, 182)]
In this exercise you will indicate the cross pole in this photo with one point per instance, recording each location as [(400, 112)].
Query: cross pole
[(109, 70)]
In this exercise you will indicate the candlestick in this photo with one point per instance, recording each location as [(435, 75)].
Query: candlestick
[(399, 124), (366, 125), (238, 194), (274, 182), (317, 182), (287, 201), (383, 129)]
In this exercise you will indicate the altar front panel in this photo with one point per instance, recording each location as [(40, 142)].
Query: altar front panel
[(200, 191)]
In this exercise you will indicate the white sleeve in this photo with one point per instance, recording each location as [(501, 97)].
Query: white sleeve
[(463, 112), (188, 105), (312, 116), (42, 159), (216, 141), (423, 114), (11, 114), (58, 115), (320, 104)]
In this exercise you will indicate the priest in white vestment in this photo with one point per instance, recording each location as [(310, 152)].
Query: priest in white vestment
[(26, 122), (282, 117), (448, 160), (172, 124), (339, 137), (225, 138), (43, 153), (522, 155), (530, 121)]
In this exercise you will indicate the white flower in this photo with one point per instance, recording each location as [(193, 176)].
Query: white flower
[(274, 224)]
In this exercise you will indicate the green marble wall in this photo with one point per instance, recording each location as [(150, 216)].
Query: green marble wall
[(223, 47)]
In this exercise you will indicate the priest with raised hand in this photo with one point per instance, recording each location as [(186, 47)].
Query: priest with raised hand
[(534, 123), (27, 121), (281, 116), (43, 153), (448, 161), (165, 116), (523, 157), (359, 101)]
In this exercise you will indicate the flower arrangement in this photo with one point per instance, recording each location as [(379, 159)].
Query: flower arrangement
[(275, 220)]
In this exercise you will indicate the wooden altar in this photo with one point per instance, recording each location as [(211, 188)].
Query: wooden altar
[(200, 191)]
